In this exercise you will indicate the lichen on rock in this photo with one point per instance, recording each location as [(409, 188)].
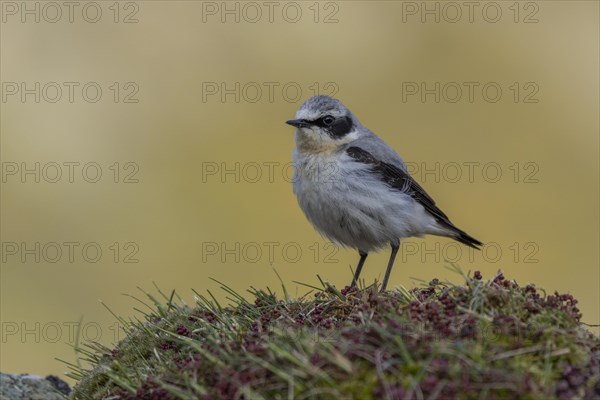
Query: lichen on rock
[(32, 387)]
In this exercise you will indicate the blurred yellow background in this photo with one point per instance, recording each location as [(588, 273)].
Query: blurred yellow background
[(180, 106)]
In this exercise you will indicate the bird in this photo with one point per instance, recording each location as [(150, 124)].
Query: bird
[(355, 189)]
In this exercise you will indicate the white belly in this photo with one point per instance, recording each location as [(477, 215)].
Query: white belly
[(351, 207)]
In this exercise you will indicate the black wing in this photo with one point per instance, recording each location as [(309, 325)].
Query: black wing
[(398, 179)]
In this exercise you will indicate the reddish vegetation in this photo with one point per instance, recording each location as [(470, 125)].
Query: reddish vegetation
[(486, 338)]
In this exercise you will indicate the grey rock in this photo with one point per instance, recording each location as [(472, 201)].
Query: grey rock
[(32, 387)]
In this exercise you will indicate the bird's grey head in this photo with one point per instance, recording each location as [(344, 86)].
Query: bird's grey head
[(323, 124)]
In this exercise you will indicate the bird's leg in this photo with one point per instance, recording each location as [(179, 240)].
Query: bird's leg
[(395, 247), (363, 257)]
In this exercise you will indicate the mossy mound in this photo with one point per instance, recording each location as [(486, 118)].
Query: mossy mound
[(487, 339)]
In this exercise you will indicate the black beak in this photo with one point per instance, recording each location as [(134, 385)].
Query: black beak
[(298, 123)]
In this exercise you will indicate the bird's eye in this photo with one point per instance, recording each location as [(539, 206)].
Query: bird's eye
[(328, 120)]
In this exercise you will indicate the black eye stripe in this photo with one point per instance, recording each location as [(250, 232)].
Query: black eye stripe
[(339, 128), (320, 122)]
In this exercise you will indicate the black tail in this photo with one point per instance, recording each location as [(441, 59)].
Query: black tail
[(465, 238)]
